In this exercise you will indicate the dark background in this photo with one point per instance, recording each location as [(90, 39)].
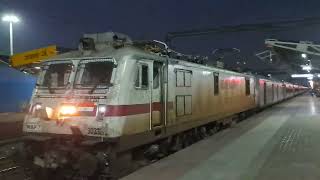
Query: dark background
[(62, 22)]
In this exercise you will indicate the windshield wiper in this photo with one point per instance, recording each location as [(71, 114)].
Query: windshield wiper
[(94, 87), (51, 91), (48, 84)]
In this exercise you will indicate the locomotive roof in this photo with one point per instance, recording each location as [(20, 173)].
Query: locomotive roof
[(130, 50), (135, 52), (107, 51)]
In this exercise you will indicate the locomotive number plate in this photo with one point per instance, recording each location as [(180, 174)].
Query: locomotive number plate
[(36, 127), (95, 131)]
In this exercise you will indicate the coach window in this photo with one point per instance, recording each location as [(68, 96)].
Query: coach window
[(183, 78), (216, 84), (247, 87), (187, 78), (272, 90), (156, 77), (142, 76), (180, 78)]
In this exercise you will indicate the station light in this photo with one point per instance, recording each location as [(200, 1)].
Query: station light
[(303, 55), (10, 18), (206, 72), (306, 67), (311, 83), (302, 75)]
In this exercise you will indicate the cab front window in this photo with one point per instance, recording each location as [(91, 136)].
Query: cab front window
[(56, 75), (94, 73)]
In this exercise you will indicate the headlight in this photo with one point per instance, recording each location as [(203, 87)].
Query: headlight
[(68, 110)]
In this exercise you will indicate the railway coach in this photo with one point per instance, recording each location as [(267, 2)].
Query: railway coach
[(98, 111)]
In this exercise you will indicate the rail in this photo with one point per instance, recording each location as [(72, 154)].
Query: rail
[(9, 166)]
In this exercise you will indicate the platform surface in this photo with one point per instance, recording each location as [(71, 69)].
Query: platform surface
[(282, 142), (11, 117), (10, 125)]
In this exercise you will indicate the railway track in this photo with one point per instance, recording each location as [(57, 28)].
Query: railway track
[(10, 167), (7, 167)]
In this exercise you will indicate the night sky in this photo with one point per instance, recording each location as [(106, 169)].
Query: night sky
[(62, 22)]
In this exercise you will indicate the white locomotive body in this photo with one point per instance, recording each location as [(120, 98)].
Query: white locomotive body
[(123, 96)]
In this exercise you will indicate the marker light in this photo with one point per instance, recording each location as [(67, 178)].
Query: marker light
[(37, 107), (68, 110), (101, 111), (311, 83)]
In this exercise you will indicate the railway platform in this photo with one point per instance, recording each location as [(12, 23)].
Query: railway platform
[(281, 142), (10, 133), (10, 125)]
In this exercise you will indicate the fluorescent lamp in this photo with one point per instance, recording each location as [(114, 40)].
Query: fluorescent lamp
[(307, 68), (10, 18), (302, 75)]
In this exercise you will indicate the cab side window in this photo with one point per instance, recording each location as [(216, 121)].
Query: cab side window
[(247, 84), (216, 84), (156, 77), (142, 79)]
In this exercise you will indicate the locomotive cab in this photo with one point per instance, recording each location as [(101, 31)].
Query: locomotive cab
[(74, 89), (71, 92), (106, 89)]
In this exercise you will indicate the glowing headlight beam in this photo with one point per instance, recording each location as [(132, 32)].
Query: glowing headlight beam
[(68, 110)]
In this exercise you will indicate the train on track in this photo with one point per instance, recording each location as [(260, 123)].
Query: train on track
[(102, 110)]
